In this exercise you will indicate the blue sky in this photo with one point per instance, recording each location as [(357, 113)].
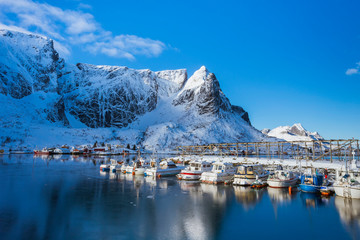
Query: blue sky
[(282, 61)]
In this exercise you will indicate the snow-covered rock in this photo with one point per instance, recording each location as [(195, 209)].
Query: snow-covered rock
[(295, 132), (28, 63), (48, 102)]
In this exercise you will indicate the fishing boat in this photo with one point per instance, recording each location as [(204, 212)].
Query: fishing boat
[(282, 179), (194, 170), (258, 184), (311, 183), (62, 150), (164, 168), (44, 151), (347, 182), (76, 151), (247, 174), (326, 190), (347, 187), (138, 167), (115, 166), (221, 172)]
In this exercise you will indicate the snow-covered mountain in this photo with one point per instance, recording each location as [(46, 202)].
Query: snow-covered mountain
[(295, 132), (45, 101)]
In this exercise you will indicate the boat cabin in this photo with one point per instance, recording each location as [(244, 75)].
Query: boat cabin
[(250, 169), (221, 167), (197, 166), (312, 179), (167, 164)]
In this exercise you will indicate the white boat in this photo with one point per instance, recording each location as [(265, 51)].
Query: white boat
[(123, 167), (221, 172), (282, 179), (115, 166), (247, 174), (194, 170), (138, 167), (62, 150), (347, 187), (141, 167), (164, 168), (347, 182)]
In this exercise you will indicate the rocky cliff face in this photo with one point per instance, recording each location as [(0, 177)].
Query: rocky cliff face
[(161, 109), (28, 63)]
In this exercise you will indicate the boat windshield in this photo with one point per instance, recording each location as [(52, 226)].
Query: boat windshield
[(250, 170), (196, 165), (217, 167), (242, 170)]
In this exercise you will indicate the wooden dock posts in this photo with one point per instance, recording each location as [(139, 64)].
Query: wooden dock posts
[(334, 149)]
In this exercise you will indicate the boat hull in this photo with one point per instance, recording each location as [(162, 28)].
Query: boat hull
[(216, 178), (162, 172), (244, 181), (347, 191), (310, 188), (277, 183), (189, 175)]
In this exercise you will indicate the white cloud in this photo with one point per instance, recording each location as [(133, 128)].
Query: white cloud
[(74, 27), (352, 71)]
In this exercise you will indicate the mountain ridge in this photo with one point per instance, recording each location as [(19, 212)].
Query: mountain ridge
[(158, 109)]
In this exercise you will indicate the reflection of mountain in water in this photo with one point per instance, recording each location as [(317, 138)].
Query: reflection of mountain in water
[(349, 211), (247, 196)]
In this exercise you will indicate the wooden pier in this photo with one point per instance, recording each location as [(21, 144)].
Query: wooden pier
[(334, 149)]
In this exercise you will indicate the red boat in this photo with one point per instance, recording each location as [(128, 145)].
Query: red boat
[(44, 151)]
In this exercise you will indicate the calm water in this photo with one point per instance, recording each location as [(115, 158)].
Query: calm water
[(69, 198)]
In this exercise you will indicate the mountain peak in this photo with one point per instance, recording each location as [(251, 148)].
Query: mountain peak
[(295, 132)]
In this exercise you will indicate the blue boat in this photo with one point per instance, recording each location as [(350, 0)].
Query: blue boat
[(311, 183)]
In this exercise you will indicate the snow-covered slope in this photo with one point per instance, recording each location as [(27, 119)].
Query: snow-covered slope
[(45, 101), (295, 132)]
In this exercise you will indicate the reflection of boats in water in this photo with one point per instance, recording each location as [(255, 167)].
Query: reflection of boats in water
[(190, 186), (247, 196), (279, 195), (218, 193), (349, 210), (313, 200)]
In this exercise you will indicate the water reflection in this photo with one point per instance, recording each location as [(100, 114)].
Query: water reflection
[(67, 197), (349, 211), (247, 196), (313, 200), (281, 195)]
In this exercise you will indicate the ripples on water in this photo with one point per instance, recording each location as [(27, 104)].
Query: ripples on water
[(63, 197)]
